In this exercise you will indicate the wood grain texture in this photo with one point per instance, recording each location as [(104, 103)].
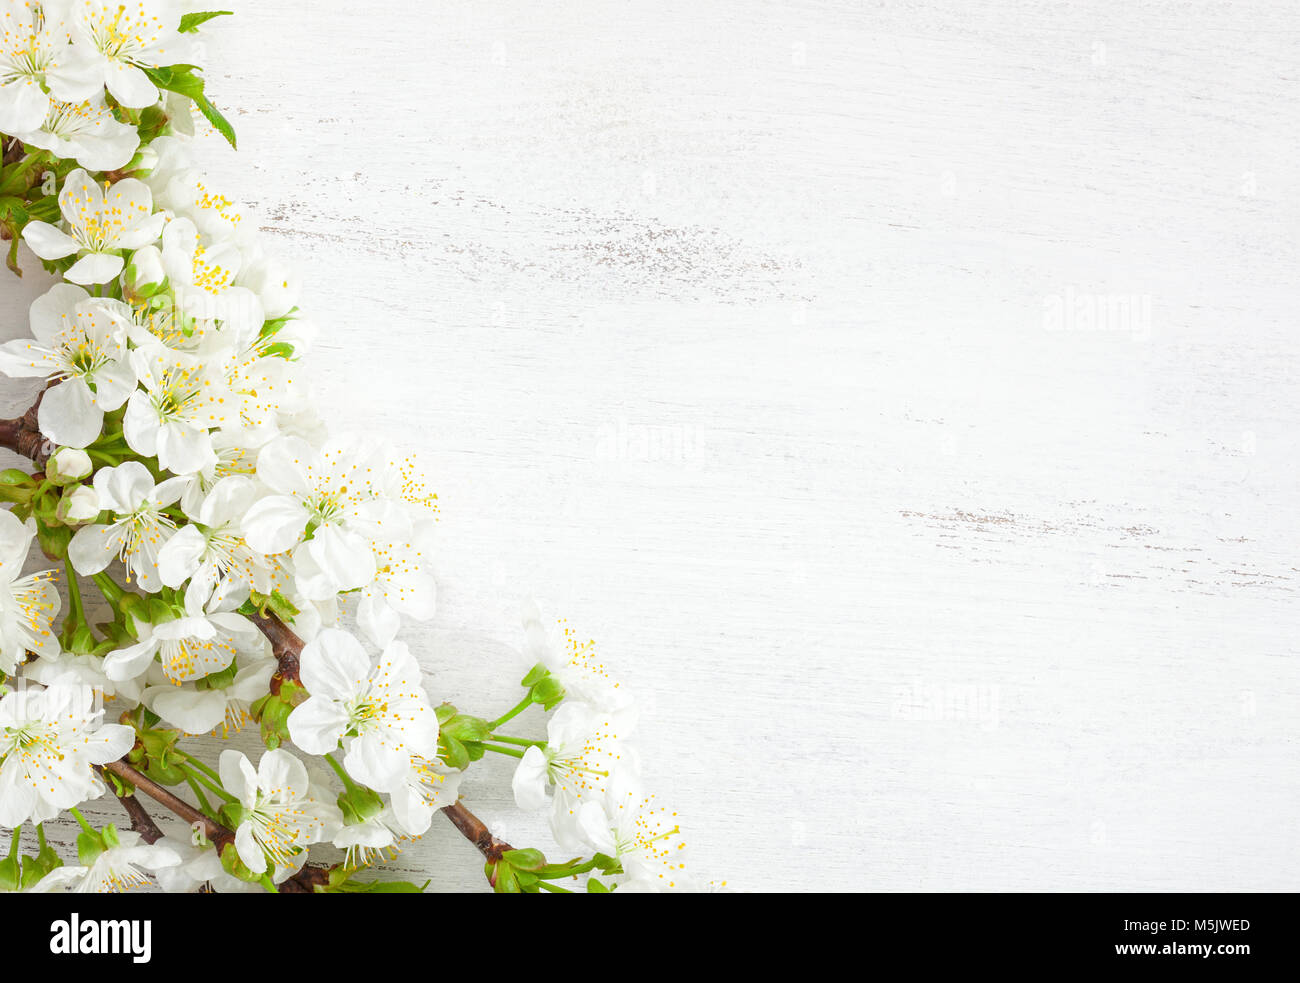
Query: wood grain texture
[(903, 395)]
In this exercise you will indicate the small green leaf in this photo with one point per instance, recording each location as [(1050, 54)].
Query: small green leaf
[(190, 22)]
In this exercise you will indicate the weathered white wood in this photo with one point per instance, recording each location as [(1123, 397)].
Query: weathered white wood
[(902, 395)]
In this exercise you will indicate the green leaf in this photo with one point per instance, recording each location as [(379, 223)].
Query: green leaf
[(182, 79), (190, 22), (219, 122)]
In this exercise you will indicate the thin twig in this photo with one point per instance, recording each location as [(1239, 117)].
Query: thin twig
[(141, 821), (474, 830), (23, 436), (285, 646)]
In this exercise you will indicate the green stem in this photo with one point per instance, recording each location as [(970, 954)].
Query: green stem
[(339, 770), (580, 869), (209, 783), (76, 813), (76, 616), (13, 844), (204, 804), (553, 888), (512, 751), (102, 457), (513, 712), (108, 587), (521, 741), (206, 769)]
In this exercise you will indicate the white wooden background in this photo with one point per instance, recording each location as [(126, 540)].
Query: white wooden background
[(902, 394)]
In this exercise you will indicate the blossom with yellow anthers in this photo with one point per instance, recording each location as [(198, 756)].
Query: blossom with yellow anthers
[(280, 819), (584, 749), (100, 222), (644, 838), (382, 713), (37, 66), (182, 397), (79, 346), (125, 37), (49, 740), (428, 786), (123, 866), (28, 604), (138, 526)]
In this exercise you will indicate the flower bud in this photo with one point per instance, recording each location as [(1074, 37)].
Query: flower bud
[(79, 505), (68, 464), (145, 276)]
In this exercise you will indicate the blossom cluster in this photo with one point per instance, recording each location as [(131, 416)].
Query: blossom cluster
[(189, 482)]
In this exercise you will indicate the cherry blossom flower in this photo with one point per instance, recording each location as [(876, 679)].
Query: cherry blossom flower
[(181, 398), (49, 740), (383, 711), (123, 39), (120, 867), (137, 529), (101, 222), (28, 604), (79, 343), (280, 817), (38, 65), (197, 644), (342, 496)]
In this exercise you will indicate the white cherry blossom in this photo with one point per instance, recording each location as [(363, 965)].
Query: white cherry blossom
[(100, 221), (382, 710), (79, 343), (137, 529), (49, 740), (28, 603)]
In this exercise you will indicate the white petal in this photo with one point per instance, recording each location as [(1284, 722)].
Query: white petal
[(317, 724), (334, 665), (180, 556), (48, 242), (68, 414), (282, 465), (274, 524), (95, 268), (529, 782), (92, 549)]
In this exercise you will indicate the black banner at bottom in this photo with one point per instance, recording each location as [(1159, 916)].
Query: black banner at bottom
[(1179, 932)]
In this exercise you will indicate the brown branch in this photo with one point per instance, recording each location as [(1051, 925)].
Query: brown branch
[(285, 646), (23, 436), (141, 821), (474, 830), (213, 830)]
